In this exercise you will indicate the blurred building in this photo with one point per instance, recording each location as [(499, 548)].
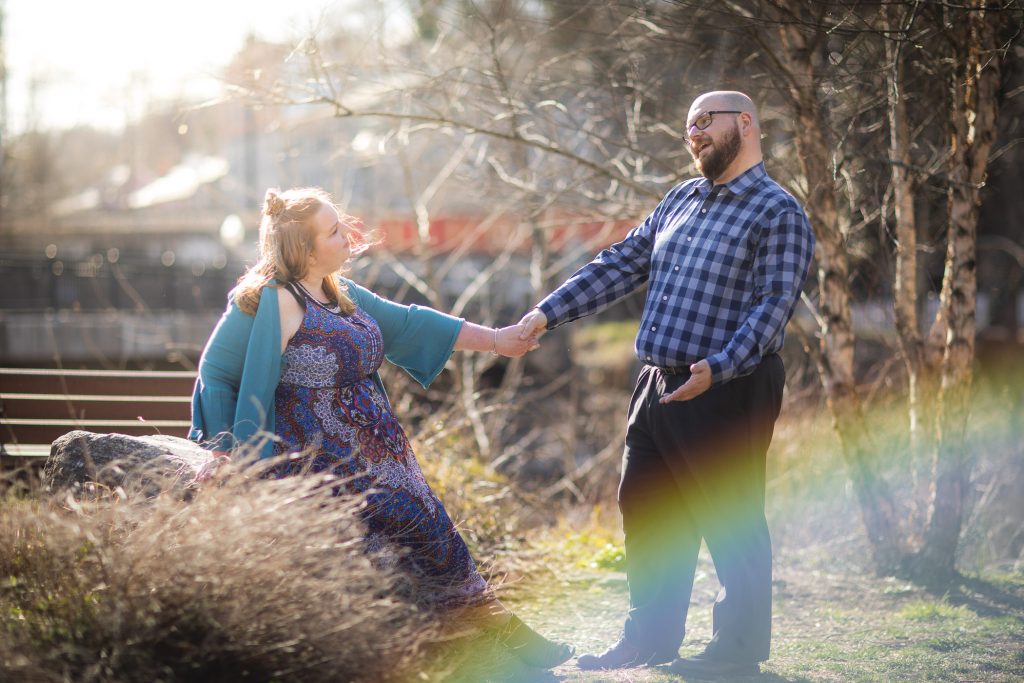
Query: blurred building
[(134, 267)]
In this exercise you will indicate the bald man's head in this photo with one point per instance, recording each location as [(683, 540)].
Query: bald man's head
[(723, 133), (724, 100)]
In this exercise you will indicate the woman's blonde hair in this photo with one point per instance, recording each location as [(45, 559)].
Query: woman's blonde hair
[(286, 241)]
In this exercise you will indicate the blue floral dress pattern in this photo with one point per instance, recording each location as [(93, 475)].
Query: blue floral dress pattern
[(328, 401)]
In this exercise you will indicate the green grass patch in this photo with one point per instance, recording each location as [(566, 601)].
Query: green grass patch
[(932, 610)]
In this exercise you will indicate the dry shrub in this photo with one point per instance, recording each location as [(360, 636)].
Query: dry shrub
[(254, 579), (490, 511)]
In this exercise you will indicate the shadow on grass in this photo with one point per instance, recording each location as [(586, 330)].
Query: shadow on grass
[(984, 597)]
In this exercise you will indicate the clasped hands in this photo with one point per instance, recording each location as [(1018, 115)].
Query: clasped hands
[(517, 340), (535, 323)]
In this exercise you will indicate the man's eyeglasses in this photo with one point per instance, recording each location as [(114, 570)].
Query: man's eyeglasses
[(707, 118)]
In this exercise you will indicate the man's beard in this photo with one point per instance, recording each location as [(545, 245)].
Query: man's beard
[(722, 154)]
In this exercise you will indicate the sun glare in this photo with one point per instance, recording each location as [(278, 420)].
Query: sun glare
[(103, 63)]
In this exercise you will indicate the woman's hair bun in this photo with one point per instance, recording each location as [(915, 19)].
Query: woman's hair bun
[(273, 205)]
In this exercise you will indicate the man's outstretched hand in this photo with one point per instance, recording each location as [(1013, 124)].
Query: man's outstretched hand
[(533, 325)]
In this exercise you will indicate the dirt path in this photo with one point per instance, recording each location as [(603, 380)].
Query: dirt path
[(827, 626)]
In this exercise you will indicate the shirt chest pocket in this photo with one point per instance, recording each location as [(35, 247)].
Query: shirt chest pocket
[(725, 245)]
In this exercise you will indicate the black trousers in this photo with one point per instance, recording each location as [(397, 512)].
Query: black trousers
[(695, 470)]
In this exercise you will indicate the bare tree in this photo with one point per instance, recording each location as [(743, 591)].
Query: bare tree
[(973, 90)]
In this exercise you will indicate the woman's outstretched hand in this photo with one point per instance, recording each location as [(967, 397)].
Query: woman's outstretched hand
[(509, 341)]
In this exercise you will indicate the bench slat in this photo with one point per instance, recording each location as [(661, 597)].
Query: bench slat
[(138, 374), (85, 398), (27, 450), (46, 431), (76, 407), (51, 433), (106, 382), (36, 422)]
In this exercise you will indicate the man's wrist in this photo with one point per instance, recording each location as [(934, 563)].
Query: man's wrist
[(548, 314), (721, 368)]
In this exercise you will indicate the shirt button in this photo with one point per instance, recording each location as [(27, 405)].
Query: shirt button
[(664, 298), (654, 328), (703, 210), (648, 357), (676, 268), (689, 239)]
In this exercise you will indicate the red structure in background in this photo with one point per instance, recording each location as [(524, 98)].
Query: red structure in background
[(478, 235)]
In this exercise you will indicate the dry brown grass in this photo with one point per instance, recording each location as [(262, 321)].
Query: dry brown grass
[(253, 579)]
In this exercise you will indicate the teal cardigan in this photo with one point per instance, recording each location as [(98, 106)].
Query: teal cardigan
[(233, 400)]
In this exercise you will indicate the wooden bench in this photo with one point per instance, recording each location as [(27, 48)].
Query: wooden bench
[(39, 405)]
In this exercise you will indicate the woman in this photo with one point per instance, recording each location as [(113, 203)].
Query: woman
[(296, 355)]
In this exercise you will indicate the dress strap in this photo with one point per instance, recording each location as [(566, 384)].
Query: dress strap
[(299, 291), (294, 291)]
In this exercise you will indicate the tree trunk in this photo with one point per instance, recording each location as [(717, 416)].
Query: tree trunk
[(975, 110), (802, 60), (922, 375)]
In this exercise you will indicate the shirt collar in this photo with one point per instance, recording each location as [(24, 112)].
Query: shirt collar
[(738, 185)]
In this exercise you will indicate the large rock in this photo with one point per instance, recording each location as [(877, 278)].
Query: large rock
[(149, 464)]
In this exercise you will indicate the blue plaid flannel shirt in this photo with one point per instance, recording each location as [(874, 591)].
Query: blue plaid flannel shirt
[(726, 265)]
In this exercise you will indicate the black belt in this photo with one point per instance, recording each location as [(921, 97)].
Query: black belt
[(672, 371), (685, 371)]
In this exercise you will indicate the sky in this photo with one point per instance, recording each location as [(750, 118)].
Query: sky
[(99, 62)]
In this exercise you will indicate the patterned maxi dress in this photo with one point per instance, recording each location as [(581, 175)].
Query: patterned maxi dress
[(328, 399)]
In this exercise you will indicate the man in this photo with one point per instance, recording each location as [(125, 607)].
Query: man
[(725, 257)]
